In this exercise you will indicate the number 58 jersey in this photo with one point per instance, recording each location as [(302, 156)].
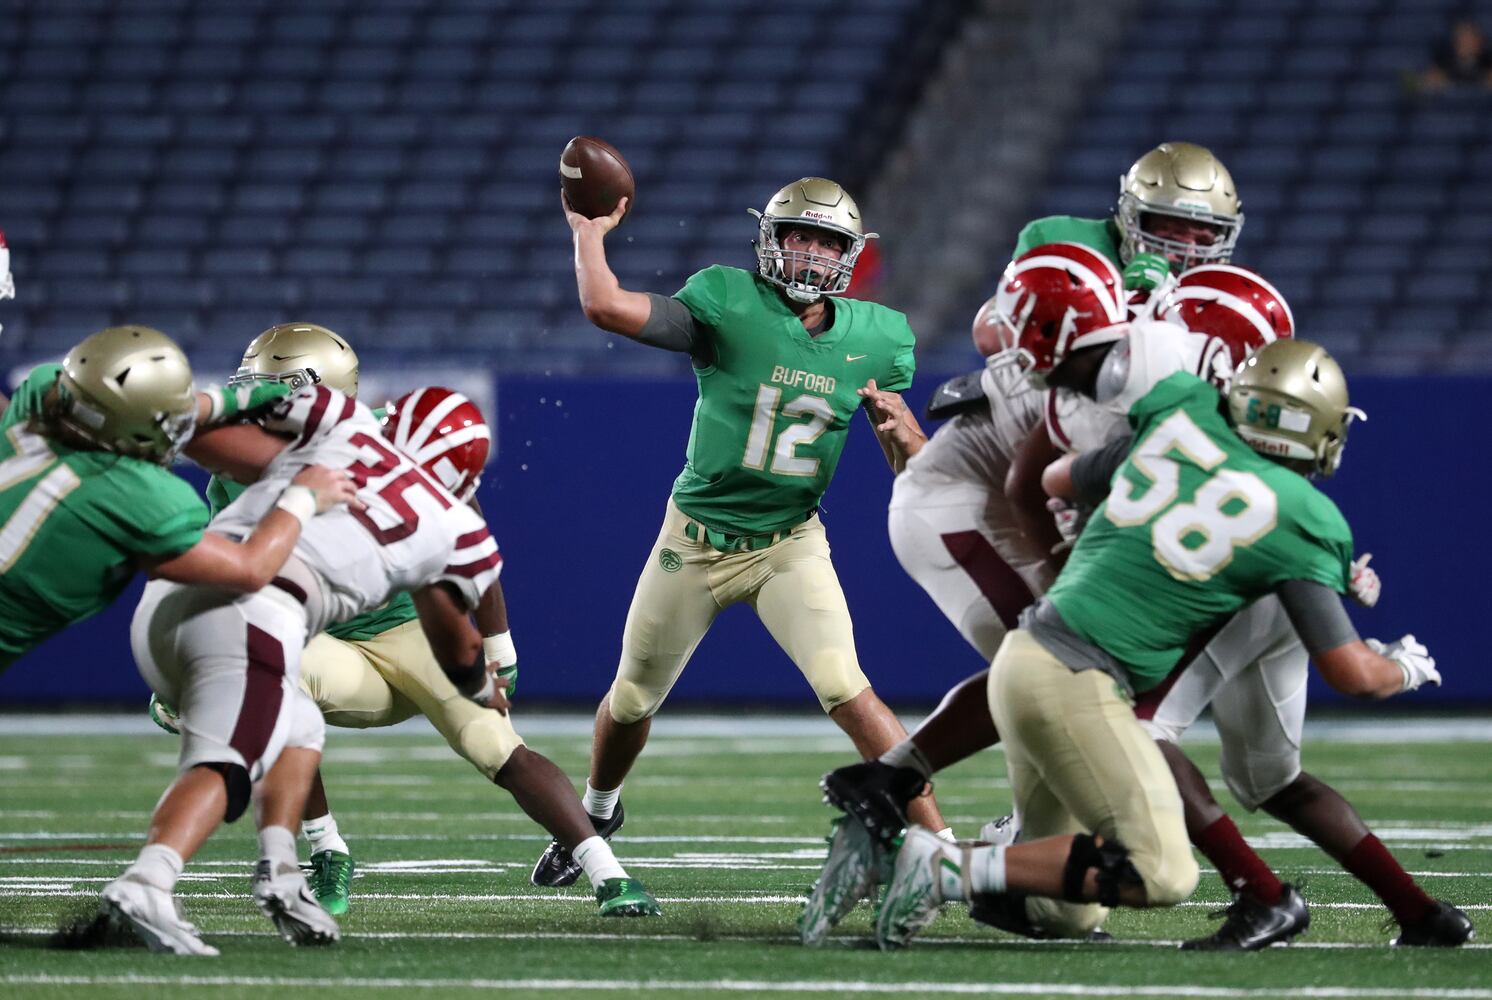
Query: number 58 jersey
[(1196, 525), (412, 534)]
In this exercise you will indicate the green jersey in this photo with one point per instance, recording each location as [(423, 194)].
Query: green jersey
[(1196, 526), (775, 403), (398, 610), (1100, 234), (75, 523)]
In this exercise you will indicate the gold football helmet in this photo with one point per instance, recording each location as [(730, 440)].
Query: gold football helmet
[(300, 354), (128, 390), (1289, 400), (1183, 180), (821, 204)]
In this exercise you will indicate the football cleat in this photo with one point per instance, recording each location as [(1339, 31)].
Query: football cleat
[(914, 894), (164, 714), (1443, 926), (874, 793), (154, 915), (285, 898), (1251, 925), (330, 879), (625, 897), (851, 873), (1001, 832), (557, 867)]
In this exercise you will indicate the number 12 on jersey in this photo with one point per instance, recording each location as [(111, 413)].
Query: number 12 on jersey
[(785, 460), (1230, 509)]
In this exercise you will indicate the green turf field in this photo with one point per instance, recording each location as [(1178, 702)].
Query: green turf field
[(725, 826)]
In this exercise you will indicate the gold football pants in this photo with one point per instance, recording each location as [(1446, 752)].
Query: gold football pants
[(1079, 761), (394, 676), (686, 583)]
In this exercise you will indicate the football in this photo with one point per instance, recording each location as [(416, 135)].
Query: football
[(595, 177)]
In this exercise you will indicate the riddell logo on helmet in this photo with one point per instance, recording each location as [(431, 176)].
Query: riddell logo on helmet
[(816, 215)]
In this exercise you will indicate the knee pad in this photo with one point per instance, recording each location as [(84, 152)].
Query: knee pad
[(1257, 778), (1109, 859), (307, 730), (487, 745), (631, 702), (236, 780)]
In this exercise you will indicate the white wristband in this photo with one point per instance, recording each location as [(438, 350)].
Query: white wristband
[(499, 649), (299, 501)]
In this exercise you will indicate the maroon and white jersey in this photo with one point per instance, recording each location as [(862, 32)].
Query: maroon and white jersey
[(1152, 351), (412, 534), (978, 447)]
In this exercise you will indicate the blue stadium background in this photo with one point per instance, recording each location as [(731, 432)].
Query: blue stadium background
[(387, 168)]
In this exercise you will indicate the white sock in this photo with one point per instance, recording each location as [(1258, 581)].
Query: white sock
[(321, 833), (947, 834), (158, 865), (277, 844), (601, 804), (906, 754), (987, 866), (594, 855)]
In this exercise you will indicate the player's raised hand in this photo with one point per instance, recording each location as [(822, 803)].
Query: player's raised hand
[(888, 409), (329, 486), (600, 226), (1364, 584)]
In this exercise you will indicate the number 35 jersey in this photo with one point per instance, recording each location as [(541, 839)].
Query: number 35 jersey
[(412, 534), (776, 404), (1196, 525)]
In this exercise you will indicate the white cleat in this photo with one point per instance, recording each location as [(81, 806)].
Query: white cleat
[(1001, 832), (915, 892), (285, 898), (154, 915), (851, 873)]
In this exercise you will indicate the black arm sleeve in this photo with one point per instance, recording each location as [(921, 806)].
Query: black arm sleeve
[(1317, 614), (1092, 471), (673, 327)]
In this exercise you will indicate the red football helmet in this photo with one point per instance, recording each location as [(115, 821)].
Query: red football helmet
[(444, 432), (1056, 299), (1231, 303)]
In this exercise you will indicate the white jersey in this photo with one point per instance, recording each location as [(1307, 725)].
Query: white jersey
[(1152, 351), (977, 447), (412, 534)]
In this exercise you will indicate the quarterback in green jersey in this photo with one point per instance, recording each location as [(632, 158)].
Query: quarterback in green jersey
[(783, 361), (376, 669), (86, 497), (1204, 513)]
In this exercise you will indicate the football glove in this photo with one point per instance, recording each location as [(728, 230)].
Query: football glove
[(1146, 272), (1412, 658), (1364, 585), (243, 402)]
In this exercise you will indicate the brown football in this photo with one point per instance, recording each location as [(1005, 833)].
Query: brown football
[(595, 177)]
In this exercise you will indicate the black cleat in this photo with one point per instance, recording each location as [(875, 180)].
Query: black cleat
[(874, 793), (556, 867), (1006, 911), (1443, 926), (1251, 925)]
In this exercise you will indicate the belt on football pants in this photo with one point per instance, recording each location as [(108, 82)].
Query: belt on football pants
[(724, 542)]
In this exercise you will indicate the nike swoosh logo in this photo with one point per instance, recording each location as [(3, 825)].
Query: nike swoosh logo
[(855, 357), (286, 357)]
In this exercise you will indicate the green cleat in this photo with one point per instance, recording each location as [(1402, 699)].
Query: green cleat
[(625, 897), (163, 714), (330, 878)]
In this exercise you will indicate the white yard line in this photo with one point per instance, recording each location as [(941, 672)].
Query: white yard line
[(702, 986)]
